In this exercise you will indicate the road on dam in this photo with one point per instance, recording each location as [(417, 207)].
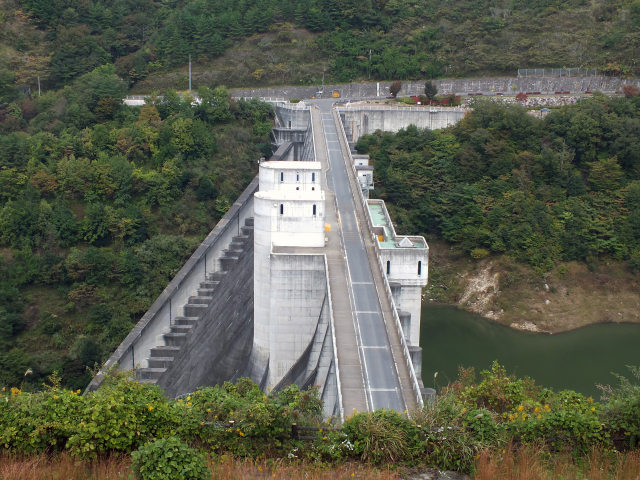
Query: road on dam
[(379, 370)]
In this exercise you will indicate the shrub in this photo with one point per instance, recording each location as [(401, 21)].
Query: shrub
[(333, 446), (453, 436), (169, 458), (621, 412), (261, 423), (478, 253), (568, 423), (383, 436), (395, 88), (119, 417), (38, 422), (406, 100), (294, 100), (498, 391), (481, 424)]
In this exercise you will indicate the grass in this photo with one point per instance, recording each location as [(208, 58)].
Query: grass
[(66, 467), (509, 464), (534, 464), (63, 467)]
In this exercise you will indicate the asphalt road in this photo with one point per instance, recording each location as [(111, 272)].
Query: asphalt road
[(380, 376)]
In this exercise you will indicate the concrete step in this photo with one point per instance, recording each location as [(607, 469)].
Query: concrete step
[(247, 229), (200, 299), (206, 292), (154, 373), (181, 328), (175, 339), (164, 351), (241, 239), (248, 222), (195, 309), (151, 381), (210, 284), (235, 249), (160, 362), (216, 276), (185, 320), (227, 263)]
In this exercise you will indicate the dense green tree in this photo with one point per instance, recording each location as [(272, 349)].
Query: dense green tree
[(430, 90), (506, 182)]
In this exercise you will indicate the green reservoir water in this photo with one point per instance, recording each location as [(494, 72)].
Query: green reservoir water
[(576, 360)]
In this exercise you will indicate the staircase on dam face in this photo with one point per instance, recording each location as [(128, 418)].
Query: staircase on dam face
[(172, 341)]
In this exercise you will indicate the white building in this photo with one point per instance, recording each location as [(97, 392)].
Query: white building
[(289, 285), (405, 260)]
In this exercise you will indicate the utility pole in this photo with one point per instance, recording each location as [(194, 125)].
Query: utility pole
[(189, 73), (38, 85)]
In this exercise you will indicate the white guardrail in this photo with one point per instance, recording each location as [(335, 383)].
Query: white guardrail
[(407, 355)]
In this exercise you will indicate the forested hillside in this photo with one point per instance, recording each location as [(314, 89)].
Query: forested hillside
[(59, 40), (100, 205), (562, 188)]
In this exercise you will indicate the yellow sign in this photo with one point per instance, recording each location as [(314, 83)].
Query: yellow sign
[(336, 94), (327, 227)]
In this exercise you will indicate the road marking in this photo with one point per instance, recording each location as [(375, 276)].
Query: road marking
[(363, 283), (363, 362)]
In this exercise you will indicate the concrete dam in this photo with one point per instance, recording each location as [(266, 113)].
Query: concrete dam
[(303, 281)]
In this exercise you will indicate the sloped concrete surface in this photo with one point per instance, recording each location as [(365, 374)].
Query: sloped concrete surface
[(218, 346)]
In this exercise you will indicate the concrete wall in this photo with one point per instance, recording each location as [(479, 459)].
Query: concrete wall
[(218, 347), (288, 218), (487, 86), (298, 289), (293, 124), (317, 364), (294, 116), (135, 348), (361, 120), (298, 176)]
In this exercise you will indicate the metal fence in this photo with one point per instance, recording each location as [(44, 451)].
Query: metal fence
[(556, 72)]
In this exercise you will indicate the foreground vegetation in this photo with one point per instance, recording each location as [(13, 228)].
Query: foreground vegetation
[(100, 205), (57, 41), (524, 464), (470, 427)]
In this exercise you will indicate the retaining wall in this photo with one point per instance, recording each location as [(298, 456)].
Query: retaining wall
[(487, 86), (361, 120)]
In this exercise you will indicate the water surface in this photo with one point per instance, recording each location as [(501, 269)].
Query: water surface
[(576, 360)]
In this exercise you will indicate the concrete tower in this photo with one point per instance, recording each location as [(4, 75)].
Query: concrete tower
[(405, 261), (289, 217)]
